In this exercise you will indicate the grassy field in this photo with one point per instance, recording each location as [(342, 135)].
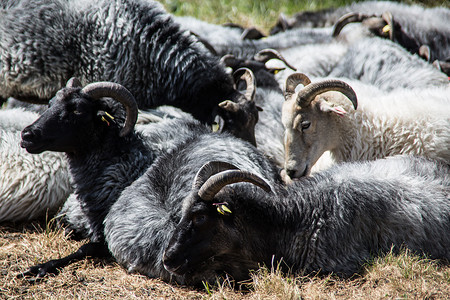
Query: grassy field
[(403, 276), (262, 14)]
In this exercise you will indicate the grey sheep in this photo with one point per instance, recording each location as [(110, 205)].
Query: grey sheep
[(387, 66), (135, 43), (332, 222), (370, 60), (140, 223)]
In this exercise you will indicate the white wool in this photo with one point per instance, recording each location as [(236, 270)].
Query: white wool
[(31, 185), (415, 122)]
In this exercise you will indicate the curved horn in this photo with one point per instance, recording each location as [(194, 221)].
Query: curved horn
[(282, 20), (216, 182), (389, 19), (308, 93), (246, 75), (293, 81), (229, 60), (73, 83), (267, 54), (118, 92), (352, 17), (209, 169)]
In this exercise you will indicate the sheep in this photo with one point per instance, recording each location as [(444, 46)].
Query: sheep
[(140, 223), (388, 66), (31, 186), (370, 60), (411, 26), (189, 146), (330, 16), (239, 118), (317, 119), (267, 133), (258, 117), (407, 31), (245, 114), (103, 155), (333, 222), (135, 43), (304, 19)]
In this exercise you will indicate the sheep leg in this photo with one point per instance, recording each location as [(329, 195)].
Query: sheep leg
[(99, 250)]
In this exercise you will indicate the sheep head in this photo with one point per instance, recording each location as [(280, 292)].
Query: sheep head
[(239, 117), (208, 238), (381, 26), (308, 117), (76, 115), (264, 75)]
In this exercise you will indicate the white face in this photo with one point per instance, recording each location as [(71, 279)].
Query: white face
[(305, 137)]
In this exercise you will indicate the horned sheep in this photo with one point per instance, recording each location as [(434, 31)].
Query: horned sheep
[(132, 224), (135, 43), (317, 119), (140, 223), (103, 155), (332, 222)]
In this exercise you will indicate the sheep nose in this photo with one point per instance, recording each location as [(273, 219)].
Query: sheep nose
[(27, 134)]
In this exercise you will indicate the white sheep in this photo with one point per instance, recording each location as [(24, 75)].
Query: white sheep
[(317, 119), (30, 185)]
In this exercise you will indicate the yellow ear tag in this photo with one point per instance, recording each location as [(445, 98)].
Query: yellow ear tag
[(104, 120), (111, 117), (223, 209), (386, 29), (276, 72), (215, 127)]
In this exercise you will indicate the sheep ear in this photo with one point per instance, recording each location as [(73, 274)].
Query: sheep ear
[(217, 125), (229, 105), (73, 83), (327, 107)]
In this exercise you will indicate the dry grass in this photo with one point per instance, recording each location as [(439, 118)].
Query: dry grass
[(403, 276)]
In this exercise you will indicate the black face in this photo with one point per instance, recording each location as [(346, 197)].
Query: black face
[(201, 235), (242, 121), (64, 126), (191, 241)]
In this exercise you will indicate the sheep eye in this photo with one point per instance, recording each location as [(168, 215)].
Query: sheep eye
[(199, 220), (76, 112), (305, 125)]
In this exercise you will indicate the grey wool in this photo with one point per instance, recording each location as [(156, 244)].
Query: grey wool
[(334, 221), (135, 43)]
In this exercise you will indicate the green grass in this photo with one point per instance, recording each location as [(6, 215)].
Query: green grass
[(262, 14)]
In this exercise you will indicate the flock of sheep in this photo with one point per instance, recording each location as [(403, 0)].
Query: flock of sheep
[(189, 151)]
